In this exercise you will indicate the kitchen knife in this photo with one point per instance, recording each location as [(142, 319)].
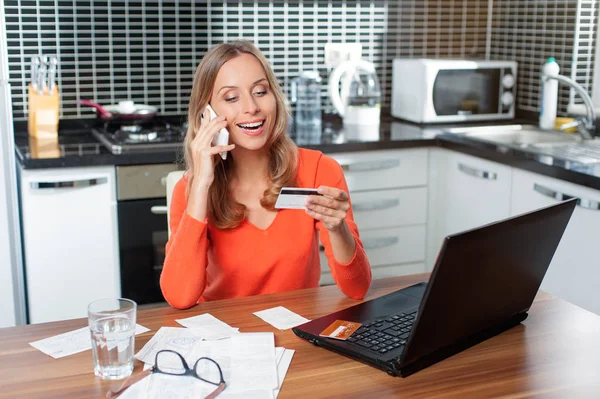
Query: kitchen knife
[(35, 64), (52, 74), (42, 74)]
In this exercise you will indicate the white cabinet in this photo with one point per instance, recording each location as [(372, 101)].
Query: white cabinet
[(574, 273), (388, 190), (466, 192), (70, 240)]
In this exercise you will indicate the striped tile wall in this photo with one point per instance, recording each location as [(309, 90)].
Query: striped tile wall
[(147, 50)]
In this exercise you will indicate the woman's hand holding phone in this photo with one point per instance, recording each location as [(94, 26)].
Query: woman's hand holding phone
[(203, 150)]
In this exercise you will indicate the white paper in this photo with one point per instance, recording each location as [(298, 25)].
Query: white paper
[(211, 327), (178, 339), (152, 387), (281, 318), (283, 364), (71, 342), (253, 361), (161, 386)]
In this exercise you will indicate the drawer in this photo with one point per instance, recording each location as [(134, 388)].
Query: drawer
[(372, 170), (390, 208), (391, 246), (382, 272)]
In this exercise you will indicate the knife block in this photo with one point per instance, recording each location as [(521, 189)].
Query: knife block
[(44, 147), (43, 114)]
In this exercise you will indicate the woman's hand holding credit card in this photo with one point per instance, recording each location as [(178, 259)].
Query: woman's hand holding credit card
[(328, 204)]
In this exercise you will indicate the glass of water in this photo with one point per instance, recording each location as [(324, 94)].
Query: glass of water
[(112, 327)]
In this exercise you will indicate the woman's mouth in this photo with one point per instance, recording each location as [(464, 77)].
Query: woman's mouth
[(253, 128)]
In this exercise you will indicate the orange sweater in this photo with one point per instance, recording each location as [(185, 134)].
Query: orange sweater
[(204, 263)]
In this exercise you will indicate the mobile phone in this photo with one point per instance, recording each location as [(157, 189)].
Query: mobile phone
[(222, 138)]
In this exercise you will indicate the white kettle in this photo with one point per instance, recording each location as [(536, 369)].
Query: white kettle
[(358, 100)]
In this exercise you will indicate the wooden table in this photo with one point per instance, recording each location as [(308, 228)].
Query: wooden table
[(554, 353)]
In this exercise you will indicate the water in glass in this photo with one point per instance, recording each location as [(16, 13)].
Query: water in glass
[(112, 328), (112, 347)]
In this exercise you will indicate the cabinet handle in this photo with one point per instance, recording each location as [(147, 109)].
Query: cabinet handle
[(68, 184), (374, 243), (159, 209), (482, 174), (581, 202), (377, 205), (370, 165)]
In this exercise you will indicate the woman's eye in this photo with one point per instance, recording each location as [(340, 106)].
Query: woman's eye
[(231, 99), (260, 93)]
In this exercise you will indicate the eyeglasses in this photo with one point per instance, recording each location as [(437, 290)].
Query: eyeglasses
[(170, 362)]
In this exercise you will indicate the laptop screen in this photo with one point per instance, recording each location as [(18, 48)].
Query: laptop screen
[(486, 276)]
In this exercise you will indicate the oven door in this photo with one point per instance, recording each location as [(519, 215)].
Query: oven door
[(142, 239)]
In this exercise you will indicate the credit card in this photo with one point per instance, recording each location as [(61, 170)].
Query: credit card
[(340, 329), (294, 197)]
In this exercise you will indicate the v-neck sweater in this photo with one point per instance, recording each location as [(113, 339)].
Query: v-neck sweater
[(204, 263)]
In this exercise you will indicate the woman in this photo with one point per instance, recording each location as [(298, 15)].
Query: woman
[(227, 240)]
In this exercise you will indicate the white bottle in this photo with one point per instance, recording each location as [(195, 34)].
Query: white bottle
[(549, 94)]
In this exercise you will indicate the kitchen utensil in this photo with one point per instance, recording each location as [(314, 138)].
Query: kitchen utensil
[(41, 83), (35, 65), (52, 74), (126, 112), (359, 100), (306, 95), (43, 100)]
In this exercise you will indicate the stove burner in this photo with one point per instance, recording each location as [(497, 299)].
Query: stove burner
[(156, 134), (131, 128)]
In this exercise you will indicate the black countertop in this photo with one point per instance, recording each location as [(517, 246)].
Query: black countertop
[(76, 147)]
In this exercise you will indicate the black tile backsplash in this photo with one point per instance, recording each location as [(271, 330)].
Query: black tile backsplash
[(148, 50)]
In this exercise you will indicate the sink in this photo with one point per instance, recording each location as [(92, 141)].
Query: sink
[(558, 145), (586, 152), (515, 135)]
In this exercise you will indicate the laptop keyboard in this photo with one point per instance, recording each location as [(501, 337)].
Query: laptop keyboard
[(384, 335)]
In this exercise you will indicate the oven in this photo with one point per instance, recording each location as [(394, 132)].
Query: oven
[(143, 230)]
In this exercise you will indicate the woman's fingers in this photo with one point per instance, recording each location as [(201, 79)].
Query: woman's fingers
[(206, 133), (331, 207), (330, 222), (328, 202), (333, 192), (327, 211), (210, 151)]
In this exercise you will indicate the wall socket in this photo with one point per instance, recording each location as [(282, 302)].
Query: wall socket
[(336, 53)]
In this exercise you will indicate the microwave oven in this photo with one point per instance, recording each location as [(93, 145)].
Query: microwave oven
[(441, 90)]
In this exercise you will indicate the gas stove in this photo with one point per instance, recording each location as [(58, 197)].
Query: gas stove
[(158, 134)]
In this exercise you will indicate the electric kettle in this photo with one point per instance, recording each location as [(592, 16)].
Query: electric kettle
[(358, 98)]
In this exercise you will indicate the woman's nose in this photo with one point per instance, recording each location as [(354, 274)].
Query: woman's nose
[(250, 105)]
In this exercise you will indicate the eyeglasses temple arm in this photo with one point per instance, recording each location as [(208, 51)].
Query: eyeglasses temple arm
[(217, 391), (128, 382)]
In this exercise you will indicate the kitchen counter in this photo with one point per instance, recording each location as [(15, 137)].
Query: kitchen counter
[(76, 147)]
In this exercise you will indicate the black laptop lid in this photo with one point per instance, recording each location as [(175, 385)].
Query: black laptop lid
[(486, 276)]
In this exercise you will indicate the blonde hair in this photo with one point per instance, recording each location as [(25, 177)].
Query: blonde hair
[(223, 211)]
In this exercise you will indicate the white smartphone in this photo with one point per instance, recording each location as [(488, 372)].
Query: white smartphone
[(222, 138)]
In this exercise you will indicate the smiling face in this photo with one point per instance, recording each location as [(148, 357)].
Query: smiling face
[(243, 95)]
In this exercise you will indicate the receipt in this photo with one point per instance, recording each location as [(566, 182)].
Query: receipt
[(211, 327), (181, 340), (281, 318), (71, 342)]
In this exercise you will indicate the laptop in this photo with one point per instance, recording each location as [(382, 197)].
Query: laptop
[(483, 283)]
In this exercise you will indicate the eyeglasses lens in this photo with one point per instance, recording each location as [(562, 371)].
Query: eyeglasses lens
[(170, 363), (208, 371)]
